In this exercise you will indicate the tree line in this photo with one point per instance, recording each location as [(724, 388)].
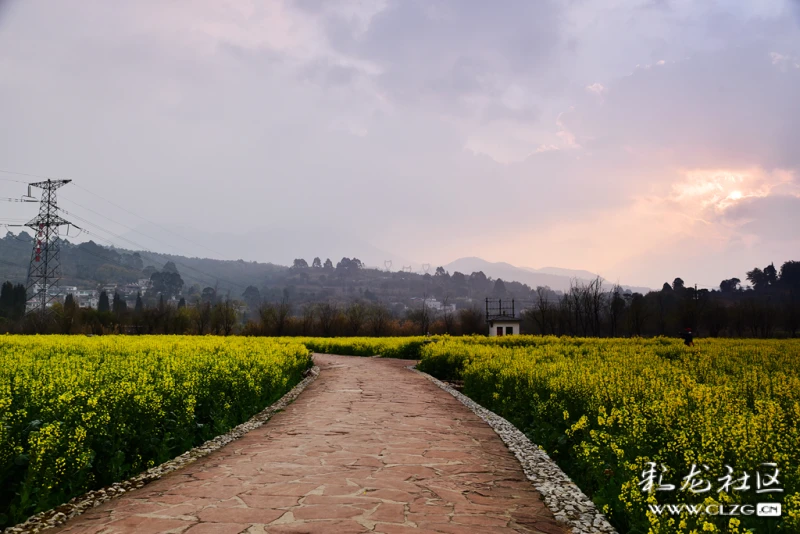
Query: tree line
[(223, 316), (768, 307)]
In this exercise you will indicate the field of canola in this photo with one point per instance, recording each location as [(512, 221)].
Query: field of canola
[(80, 413), (603, 408), (388, 347)]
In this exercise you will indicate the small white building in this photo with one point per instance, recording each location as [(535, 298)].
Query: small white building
[(504, 326), (501, 318), (87, 298), (435, 305), (432, 304)]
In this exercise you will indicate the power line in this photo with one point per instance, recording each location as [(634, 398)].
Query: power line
[(145, 250), (11, 179), (9, 199), (154, 223), (115, 205), (120, 224), (133, 243), (139, 246), (25, 174)]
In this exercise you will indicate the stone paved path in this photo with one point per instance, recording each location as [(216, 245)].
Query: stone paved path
[(369, 447)]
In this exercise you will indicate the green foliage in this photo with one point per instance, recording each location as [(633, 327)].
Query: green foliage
[(79, 413), (167, 283)]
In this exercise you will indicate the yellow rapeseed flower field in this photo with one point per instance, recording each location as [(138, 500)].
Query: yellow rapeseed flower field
[(604, 408), (78, 413), (388, 347)]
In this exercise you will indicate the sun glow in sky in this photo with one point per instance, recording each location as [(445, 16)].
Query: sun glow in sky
[(641, 140)]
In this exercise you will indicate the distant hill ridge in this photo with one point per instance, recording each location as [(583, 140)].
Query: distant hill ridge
[(556, 278), (89, 263)]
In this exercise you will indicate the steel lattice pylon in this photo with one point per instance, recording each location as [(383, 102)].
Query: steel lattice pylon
[(44, 271)]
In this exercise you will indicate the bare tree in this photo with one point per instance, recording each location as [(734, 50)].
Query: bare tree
[(471, 321), (594, 307), (616, 306), (266, 318), (448, 317), (542, 315), (760, 316), (637, 314), (202, 316), (421, 317), (588, 300), (379, 317), (576, 305), (356, 315), (224, 317), (566, 317), (715, 319), (282, 312), (308, 318), (327, 313)]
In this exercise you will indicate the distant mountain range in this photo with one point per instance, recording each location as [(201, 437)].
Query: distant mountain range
[(272, 246), (276, 245), (556, 278)]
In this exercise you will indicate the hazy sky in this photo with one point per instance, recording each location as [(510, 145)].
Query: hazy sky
[(643, 140)]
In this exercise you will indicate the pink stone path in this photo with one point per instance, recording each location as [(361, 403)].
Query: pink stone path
[(370, 446)]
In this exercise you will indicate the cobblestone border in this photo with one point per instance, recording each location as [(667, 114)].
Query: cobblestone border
[(567, 502), (78, 505)]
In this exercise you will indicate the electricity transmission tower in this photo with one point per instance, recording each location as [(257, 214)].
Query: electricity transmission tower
[(388, 265), (44, 271)]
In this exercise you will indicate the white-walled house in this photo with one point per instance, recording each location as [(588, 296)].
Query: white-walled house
[(505, 326), (502, 318)]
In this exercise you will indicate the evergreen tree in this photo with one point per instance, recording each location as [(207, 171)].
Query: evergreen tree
[(20, 301), (6, 299), (252, 296), (118, 305), (139, 304), (182, 303), (69, 303), (70, 314), (499, 288), (103, 306)]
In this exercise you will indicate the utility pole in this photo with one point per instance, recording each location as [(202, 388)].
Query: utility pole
[(44, 271)]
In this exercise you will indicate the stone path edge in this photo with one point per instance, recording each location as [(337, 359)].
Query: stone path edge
[(59, 515), (562, 496)]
